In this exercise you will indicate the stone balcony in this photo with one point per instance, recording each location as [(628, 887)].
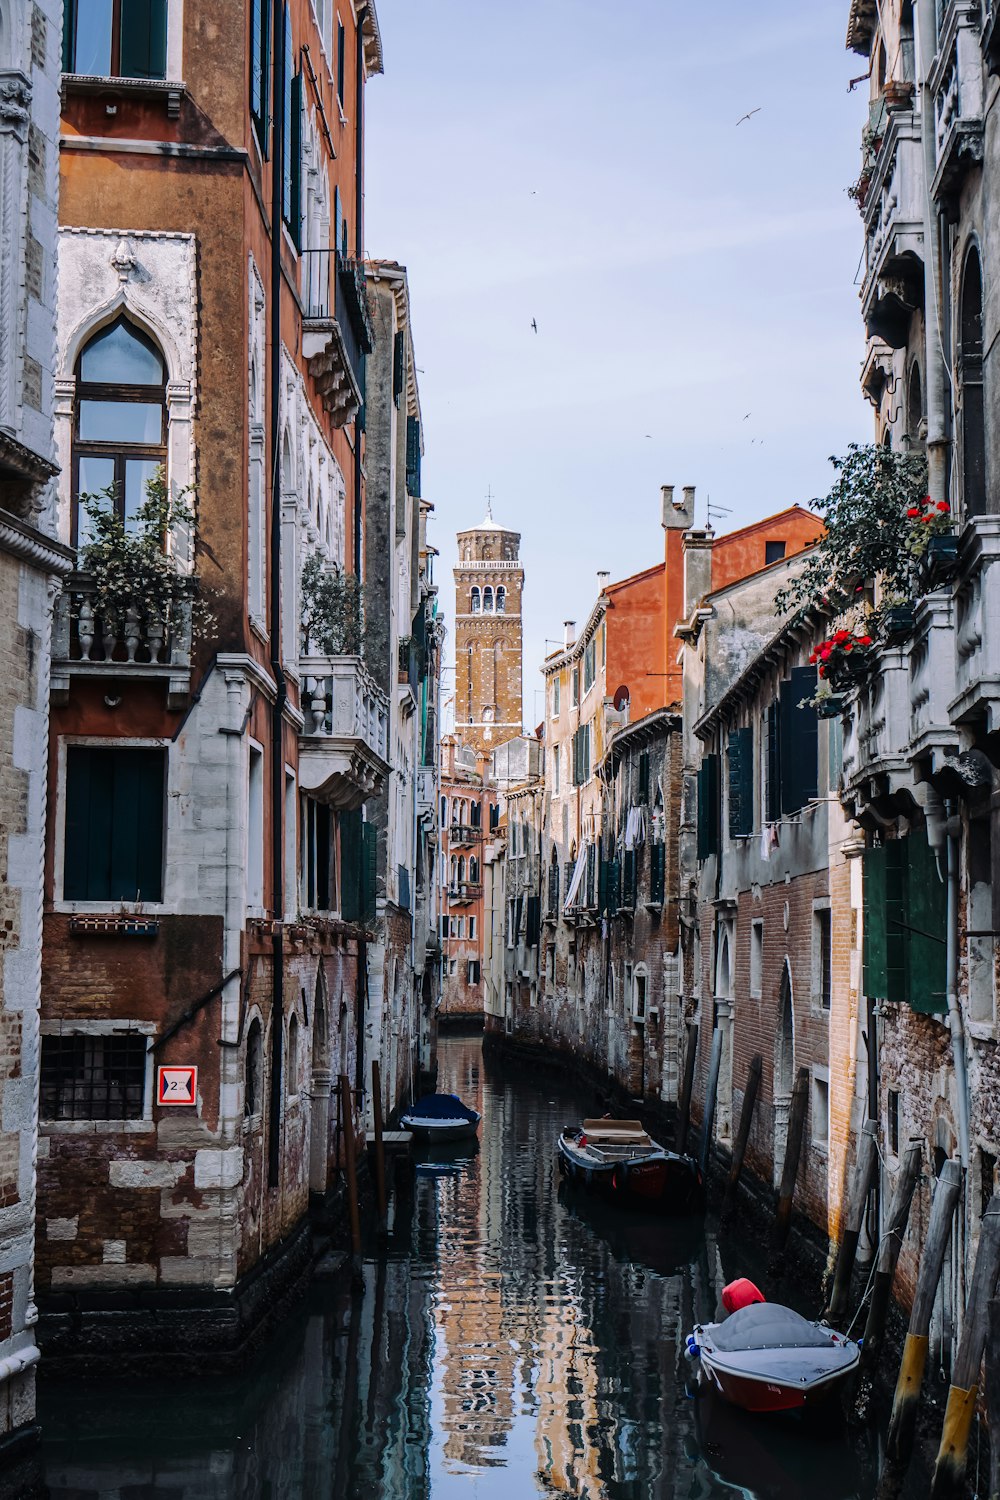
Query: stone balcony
[(142, 647), (932, 674), (894, 232), (343, 749), (464, 892), (464, 835), (956, 83), (877, 733), (336, 331), (977, 639)]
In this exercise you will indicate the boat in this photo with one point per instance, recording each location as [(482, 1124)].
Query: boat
[(440, 1117), (620, 1160), (767, 1358)]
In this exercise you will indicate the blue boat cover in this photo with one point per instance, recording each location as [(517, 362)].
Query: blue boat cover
[(441, 1107), (768, 1325)]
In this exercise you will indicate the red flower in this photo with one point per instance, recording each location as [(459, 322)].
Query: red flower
[(864, 640), (812, 659), (913, 512), (925, 519), (822, 671), (943, 506)]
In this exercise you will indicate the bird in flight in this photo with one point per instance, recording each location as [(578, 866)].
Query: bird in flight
[(750, 115), (534, 325), (748, 416)]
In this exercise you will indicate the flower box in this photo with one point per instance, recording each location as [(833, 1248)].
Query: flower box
[(98, 925), (899, 622), (831, 706), (849, 668), (940, 562)]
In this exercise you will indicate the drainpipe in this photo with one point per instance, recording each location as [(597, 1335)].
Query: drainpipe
[(281, 691), (954, 1013), (359, 250), (937, 373)]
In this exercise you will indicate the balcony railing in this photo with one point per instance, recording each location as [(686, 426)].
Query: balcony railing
[(344, 744), (336, 330), (875, 745), (932, 665), (461, 835), (956, 83), (141, 646), (977, 640), (463, 892)]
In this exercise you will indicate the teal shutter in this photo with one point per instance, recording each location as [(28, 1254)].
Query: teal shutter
[(643, 788), (338, 220), (144, 39), (69, 36), (708, 807), (629, 879), (413, 457), (295, 131), (658, 874), (286, 107), (350, 865), (341, 69), (799, 740), (740, 756), (772, 731), (114, 824), (884, 948), (926, 917), (260, 67), (369, 871)]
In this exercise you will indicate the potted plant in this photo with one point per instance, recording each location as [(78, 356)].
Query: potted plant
[(897, 619), (858, 191), (843, 659), (333, 621), (932, 541), (898, 95)]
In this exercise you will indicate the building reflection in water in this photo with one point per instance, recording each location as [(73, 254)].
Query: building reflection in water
[(518, 1340)]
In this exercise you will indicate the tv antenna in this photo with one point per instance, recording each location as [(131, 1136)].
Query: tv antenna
[(712, 511)]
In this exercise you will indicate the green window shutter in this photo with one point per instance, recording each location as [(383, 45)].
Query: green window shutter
[(256, 60), (144, 39), (295, 183), (398, 351), (925, 915), (614, 887), (642, 794), (629, 879), (341, 68), (350, 865), (338, 220), (799, 740), (602, 887), (114, 824), (288, 132), (708, 807), (369, 871), (413, 457), (533, 921), (772, 728), (658, 874), (69, 36), (883, 915), (740, 755)]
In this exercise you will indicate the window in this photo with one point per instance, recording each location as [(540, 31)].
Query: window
[(501, 599), (292, 1059), (639, 998), (555, 697), (821, 1111), (773, 552), (453, 967), (575, 687), (474, 970), (255, 828), (115, 38), (291, 175), (798, 728), (970, 373), (341, 60), (708, 806), (473, 869), (477, 602), (892, 1113), (444, 811), (915, 428), (487, 600), (756, 958), (86, 1077), (253, 1080), (741, 808), (318, 862), (555, 770), (472, 928), (114, 824), (260, 69), (589, 665), (823, 957), (981, 940), (642, 777), (445, 922), (119, 442)]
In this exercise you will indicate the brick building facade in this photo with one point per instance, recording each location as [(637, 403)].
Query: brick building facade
[(489, 584)]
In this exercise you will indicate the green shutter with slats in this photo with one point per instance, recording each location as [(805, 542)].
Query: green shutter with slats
[(884, 936), (799, 740), (642, 791), (772, 730), (69, 36), (925, 918), (369, 871), (114, 824), (658, 874), (350, 865), (413, 457), (629, 879), (708, 807), (295, 180), (740, 756), (144, 39)]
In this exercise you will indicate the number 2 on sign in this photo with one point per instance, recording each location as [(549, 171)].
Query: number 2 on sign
[(176, 1085)]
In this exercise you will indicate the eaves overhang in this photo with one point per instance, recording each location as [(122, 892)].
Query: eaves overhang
[(801, 628), (861, 26)]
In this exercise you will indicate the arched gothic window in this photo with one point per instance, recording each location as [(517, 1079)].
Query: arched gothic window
[(970, 374), (476, 600), (253, 1080), (120, 431), (487, 600), (473, 868), (501, 600), (915, 410), (461, 868), (292, 1061)]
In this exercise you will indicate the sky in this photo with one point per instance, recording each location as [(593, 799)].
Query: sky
[(693, 279)]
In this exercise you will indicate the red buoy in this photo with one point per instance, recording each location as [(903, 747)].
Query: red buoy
[(741, 1293)]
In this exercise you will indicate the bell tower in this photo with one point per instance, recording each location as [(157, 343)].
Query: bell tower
[(489, 582)]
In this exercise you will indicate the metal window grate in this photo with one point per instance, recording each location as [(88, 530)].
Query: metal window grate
[(93, 1077)]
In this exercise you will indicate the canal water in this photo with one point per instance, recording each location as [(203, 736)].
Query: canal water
[(516, 1342)]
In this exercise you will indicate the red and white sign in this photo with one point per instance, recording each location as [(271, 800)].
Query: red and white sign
[(176, 1085)]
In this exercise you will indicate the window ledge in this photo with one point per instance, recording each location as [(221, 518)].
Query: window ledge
[(96, 1127), (149, 911), (982, 1031), (136, 88)]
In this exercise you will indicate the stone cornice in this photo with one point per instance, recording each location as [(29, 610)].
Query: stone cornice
[(20, 540)]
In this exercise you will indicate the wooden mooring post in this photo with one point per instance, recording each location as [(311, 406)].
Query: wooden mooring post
[(687, 1087), (351, 1174), (380, 1193), (711, 1094), (742, 1135), (790, 1168), (906, 1401), (888, 1256), (948, 1480), (864, 1169), (993, 1396)]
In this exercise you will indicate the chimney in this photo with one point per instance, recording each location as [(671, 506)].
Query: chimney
[(602, 579), (666, 503), (677, 515), (569, 633)]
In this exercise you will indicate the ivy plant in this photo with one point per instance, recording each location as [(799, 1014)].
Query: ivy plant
[(333, 616), (869, 533)]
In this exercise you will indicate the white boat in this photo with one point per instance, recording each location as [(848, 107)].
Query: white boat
[(441, 1117), (766, 1357)]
